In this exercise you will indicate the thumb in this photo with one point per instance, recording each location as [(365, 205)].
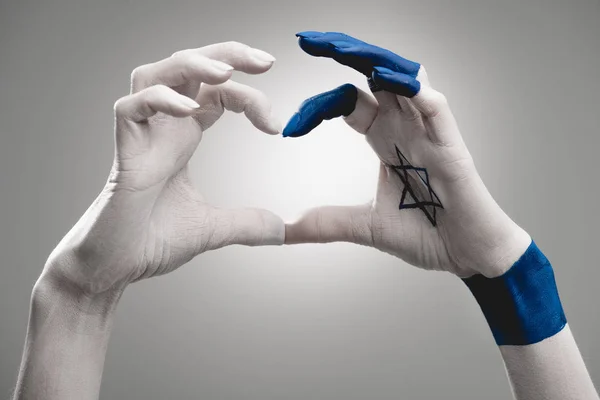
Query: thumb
[(332, 224), (245, 226)]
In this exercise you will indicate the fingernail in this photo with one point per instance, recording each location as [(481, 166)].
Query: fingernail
[(263, 56), (308, 34), (222, 66), (186, 101)]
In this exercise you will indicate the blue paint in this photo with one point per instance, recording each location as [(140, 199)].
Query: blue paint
[(521, 306), (354, 53), (395, 82), (335, 103)]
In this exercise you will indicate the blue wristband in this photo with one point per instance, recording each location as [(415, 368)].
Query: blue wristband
[(521, 306)]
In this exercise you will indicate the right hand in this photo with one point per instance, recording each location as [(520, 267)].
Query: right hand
[(149, 220), (439, 216)]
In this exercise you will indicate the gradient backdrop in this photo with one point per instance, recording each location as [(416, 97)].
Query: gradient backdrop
[(317, 322)]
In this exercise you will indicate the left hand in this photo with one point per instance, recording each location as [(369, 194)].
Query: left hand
[(149, 219), (431, 208)]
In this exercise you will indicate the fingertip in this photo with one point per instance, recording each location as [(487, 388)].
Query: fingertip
[(316, 47), (396, 82), (263, 57), (188, 102), (308, 34), (294, 127), (338, 102), (274, 126)]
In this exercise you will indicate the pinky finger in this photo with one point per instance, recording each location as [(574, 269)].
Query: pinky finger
[(144, 104)]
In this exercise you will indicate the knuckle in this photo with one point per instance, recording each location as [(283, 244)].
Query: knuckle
[(178, 53), (183, 56), (436, 104), (439, 99), (187, 64), (443, 100), (232, 44), (233, 48), (254, 95), (139, 73), (119, 105), (153, 93)]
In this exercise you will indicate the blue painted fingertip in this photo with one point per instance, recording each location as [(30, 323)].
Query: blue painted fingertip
[(309, 34), (338, 102), (396, 82), (316, 47)]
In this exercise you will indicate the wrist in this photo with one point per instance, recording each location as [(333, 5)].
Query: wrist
[(59, 301), (66, 343), (511, 244), (522, 306)]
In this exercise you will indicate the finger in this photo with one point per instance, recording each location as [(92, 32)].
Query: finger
[(354, 53), (332, 224), (358, 108), (240, 56), (186, 68), (246, 226), (428, 101), (364, 113), (407, 108), (213, 64), (396, 82), (387, 101), (442, 126), (236, 97), (422, 77), (142, 105), (390, 88)]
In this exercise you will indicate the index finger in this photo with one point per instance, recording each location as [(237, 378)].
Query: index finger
[(354, 53)]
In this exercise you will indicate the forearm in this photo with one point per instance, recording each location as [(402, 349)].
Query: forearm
[(524, 312), (66, 343), (552, 369)]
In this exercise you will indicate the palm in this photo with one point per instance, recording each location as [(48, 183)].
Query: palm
[(149, 155), (416, 235), (466, 230), (172, 227)]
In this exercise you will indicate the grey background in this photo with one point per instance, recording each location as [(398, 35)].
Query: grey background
[(312, 321)]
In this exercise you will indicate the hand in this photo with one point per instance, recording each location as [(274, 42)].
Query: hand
[(149, 220), (431, 208)]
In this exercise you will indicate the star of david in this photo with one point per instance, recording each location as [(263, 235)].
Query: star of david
[(419, 196)]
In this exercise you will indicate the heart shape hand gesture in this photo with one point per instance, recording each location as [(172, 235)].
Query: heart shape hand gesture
[(431, 208)]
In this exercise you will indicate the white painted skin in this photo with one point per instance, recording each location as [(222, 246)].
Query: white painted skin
[(473, 235), (148, 220)]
